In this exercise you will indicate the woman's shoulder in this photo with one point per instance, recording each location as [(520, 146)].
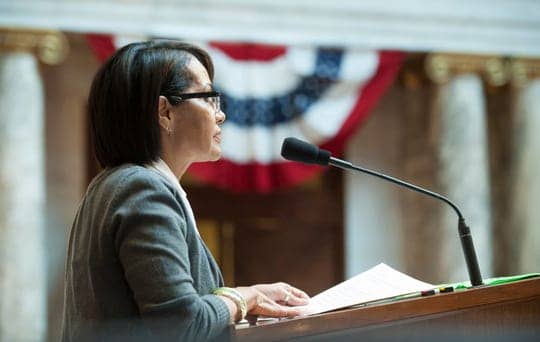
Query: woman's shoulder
[(129, 186), (129, 177)]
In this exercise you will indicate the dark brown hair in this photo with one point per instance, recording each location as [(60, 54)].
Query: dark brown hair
[(124, 97)]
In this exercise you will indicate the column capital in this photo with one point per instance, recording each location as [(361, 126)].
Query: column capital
[(496, 70), (49, 46), (524, 70)]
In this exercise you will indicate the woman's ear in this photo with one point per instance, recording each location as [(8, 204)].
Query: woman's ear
[(164, 113)]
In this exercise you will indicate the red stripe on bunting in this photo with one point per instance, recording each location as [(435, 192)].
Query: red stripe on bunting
[(266, 178), (101, 44), (250, 51), (253, 177)]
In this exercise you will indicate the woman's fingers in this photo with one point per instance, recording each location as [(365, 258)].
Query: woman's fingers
[(299, 293), (293, 296), (272, 309), (297, 297), (266, 306), (294, 300), (284, 294)]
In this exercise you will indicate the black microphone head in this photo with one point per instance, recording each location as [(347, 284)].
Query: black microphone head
[(301, 151)]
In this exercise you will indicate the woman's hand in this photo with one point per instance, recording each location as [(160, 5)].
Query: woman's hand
[(273, 300), (284, 294)]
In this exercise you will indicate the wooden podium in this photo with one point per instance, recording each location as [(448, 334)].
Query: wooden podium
[(492, 313)]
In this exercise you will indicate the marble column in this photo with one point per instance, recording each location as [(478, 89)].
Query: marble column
[(464, 173), (525, 190), (22, 192)]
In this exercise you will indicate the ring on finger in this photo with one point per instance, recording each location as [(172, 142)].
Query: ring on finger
[(287, 297)]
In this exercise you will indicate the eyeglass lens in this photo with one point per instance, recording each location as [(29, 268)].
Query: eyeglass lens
[(216, 103)]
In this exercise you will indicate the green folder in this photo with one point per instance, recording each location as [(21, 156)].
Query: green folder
[(492, 281), (467, 284)]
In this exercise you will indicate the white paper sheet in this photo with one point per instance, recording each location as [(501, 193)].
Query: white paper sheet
[(379, 282)]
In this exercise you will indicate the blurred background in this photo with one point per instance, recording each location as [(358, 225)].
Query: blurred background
[(444, 94)]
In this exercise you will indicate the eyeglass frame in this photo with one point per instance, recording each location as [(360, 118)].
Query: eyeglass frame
[(201, 95)]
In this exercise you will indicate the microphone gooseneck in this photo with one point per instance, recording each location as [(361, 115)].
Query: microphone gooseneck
[(345, 165), (464, 230), (301, 151)]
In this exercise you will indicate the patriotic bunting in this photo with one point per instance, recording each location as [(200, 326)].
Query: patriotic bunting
[(272, 92)]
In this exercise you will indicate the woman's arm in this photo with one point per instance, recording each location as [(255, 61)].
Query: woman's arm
[(152, 248)]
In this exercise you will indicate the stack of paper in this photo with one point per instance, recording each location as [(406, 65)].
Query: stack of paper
[(377, 283)]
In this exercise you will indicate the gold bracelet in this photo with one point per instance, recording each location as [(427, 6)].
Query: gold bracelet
[(236, 297)]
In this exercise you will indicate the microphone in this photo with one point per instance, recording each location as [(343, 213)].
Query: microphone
[(297, 150)]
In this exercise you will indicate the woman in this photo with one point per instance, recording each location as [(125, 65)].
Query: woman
[(136, 266)]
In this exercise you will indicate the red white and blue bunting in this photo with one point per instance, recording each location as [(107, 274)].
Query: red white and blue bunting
[(269, 93)]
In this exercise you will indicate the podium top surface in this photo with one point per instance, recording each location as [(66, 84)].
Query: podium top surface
[(419, 308)]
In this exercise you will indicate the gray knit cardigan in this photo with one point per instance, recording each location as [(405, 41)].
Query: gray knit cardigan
[(136, 267)]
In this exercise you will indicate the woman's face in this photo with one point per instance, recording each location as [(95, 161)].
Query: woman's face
[(196, 124)]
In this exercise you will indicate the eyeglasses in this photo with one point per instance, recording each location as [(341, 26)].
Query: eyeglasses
[(211, 96)]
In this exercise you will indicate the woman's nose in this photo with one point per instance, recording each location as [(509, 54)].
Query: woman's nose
[(220, 117)]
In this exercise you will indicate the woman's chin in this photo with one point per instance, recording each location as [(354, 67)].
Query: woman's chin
[(211, 155), (215, 154)]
